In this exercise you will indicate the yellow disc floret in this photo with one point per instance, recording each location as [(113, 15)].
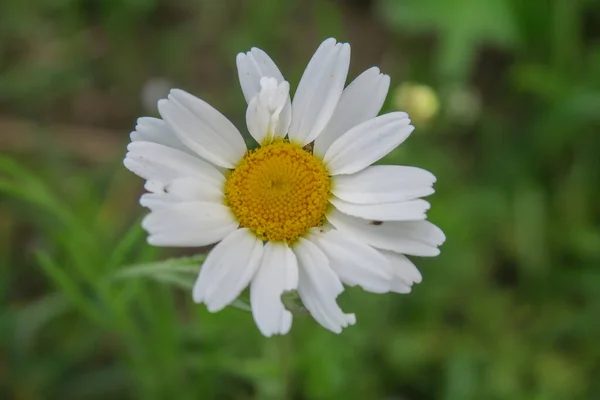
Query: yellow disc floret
[(279, 191)]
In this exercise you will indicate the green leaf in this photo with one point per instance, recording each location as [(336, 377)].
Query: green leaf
[(185, 265), (241, 305), (70, 288), (129, 240), (178, 272), (31, 319)]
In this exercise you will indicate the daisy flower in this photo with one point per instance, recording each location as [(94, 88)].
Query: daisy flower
[(305, 211)]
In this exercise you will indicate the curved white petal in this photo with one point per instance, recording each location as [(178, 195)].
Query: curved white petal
[(189, 224), (319, 286), (252, 66), (160, 163), (155, 130), (417, 238), (383, 184), (404, 269), (366, 143), (411, 210), (264, 114), (355, 262), (360, 101), (278, 273), (228, 269), (202, 128), (319, 90)]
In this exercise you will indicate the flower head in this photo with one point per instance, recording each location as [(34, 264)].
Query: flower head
[(306, 210)]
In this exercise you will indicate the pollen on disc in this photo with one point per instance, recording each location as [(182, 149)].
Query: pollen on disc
[(279, 191)]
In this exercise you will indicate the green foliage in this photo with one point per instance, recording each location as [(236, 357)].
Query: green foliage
[(510, 308), (462, 26)]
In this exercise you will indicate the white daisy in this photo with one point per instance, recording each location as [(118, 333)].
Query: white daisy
[(305, 211)]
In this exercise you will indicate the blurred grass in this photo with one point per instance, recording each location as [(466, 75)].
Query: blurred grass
[(510, 310)]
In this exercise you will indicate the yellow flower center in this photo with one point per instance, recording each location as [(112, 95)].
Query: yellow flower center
[(279, 191)]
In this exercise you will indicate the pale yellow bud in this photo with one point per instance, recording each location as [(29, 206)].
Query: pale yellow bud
[(419, 101)]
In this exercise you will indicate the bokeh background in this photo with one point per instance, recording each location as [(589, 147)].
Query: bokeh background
[(505, 96)]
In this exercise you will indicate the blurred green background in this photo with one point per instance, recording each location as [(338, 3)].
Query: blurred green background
[(505, 96)]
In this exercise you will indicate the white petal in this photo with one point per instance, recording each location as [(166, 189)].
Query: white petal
[(202, 128), (399, 285), (411, 210), (418, 238), (193, 189), (285, 118), (228, 269), (156, 130), (253, 66), (264, 114), (361, 100), (156, 162), (319, 286), (403, 268), (189, 224), (383, 184), (156, 201), (366, 143), (355, 262), (278, 273), (183, 190), (319, 90), (154, 186)]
